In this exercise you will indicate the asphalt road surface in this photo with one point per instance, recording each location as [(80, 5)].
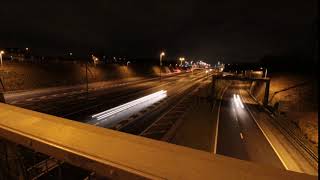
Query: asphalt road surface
[(239, 136), (74, 102)]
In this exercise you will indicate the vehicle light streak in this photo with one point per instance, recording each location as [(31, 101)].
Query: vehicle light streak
[(105, 114), (235, 100), (238, 101)]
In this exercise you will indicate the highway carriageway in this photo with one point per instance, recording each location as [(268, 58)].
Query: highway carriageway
[(243, 133), (175, 89), (76, 104)]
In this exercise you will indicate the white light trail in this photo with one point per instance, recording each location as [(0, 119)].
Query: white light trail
[(238, 101), (105, 114), (235, 100)]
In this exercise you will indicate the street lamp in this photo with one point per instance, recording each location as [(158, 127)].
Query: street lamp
[(161, 55), (1, 52), (181, 59), (265, 75)]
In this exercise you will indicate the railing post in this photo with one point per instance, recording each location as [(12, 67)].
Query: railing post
[(10, 165)]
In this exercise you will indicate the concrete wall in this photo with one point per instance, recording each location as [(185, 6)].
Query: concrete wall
[(22, 76), (257, 89)]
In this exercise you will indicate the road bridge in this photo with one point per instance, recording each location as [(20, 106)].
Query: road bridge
[(119, 155), (247, 79)]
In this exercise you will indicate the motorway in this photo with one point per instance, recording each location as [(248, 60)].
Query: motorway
[(74, 102), (121, 97), (238, 134)]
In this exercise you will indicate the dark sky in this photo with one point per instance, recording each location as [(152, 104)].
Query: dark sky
[(235, 29)]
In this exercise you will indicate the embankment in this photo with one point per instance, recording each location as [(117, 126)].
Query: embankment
[(25, 75), (294, 97)]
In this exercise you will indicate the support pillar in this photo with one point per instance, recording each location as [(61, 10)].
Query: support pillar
[(266, 93)]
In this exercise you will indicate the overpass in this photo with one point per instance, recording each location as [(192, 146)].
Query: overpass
[(117, 155), (247, 79)]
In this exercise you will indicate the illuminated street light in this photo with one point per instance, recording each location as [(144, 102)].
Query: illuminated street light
[(181, 59), (265, 75), (161, 55), (95, 59), (1, 53)]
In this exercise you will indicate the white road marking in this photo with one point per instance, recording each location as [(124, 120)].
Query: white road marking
[(267, 138), (217, 127), (14, 102)]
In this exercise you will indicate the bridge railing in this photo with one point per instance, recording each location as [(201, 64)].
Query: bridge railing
[(118, 155)]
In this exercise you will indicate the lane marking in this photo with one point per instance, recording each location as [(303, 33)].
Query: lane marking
[(14, 102), (274, 149), (217, 126), (241, 136)]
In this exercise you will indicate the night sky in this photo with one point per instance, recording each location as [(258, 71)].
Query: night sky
[(238, 30)]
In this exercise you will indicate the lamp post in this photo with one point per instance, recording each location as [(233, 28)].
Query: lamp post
[(265, 75), (87, 81), (265, 72), (161, 55), (1, 52), (181, 59)]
